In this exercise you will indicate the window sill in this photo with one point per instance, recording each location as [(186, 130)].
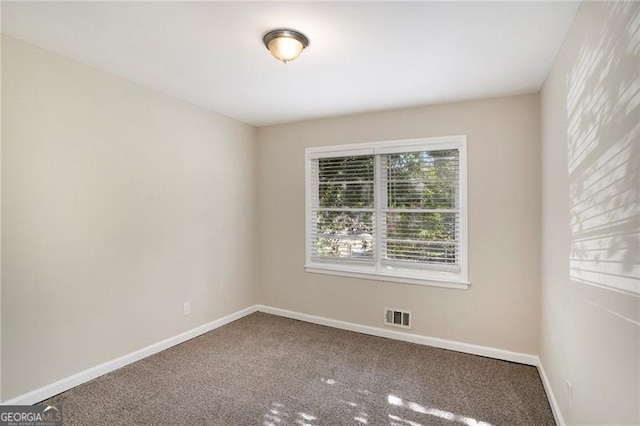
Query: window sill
[(429, 282)]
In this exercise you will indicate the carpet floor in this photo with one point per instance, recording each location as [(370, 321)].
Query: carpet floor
[(267, 370)]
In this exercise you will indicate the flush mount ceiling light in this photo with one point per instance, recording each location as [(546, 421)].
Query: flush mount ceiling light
[(285, 45)]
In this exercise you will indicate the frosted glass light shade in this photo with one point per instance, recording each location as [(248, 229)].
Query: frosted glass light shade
[(285, 45), (285, 49)]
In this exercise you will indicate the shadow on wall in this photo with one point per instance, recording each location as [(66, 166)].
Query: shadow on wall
[(603, 109)]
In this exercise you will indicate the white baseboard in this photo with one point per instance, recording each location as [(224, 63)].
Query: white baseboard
[(67, 383), (555, 407), (408, 337)]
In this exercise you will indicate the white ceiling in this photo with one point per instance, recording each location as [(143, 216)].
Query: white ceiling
[(363, 56)]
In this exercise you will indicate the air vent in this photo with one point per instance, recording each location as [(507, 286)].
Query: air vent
[(397, 318)]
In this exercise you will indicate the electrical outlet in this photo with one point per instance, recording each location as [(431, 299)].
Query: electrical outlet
[(569, 393), (186, 308)]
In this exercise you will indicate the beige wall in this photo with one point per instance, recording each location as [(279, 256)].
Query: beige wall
[(591, 208), (501, 308), (118, 205), (1, 399)]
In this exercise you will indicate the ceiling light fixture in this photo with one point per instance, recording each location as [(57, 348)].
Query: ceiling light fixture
[(284, 44)]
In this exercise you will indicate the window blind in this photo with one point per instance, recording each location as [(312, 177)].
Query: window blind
[(342, 208), (421, 212)]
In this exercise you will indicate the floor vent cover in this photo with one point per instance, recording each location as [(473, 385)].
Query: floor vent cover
[(397, 318)]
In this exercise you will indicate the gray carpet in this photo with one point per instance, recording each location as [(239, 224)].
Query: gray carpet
[(267, 370)]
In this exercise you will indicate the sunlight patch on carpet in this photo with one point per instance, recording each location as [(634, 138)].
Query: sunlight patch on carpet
[(421, 409)]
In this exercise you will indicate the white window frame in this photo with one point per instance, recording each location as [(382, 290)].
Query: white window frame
[(427, 277)]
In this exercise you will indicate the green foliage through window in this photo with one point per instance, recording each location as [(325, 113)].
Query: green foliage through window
[(417, 216)]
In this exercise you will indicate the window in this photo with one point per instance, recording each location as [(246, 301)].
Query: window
[(393, 211)]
